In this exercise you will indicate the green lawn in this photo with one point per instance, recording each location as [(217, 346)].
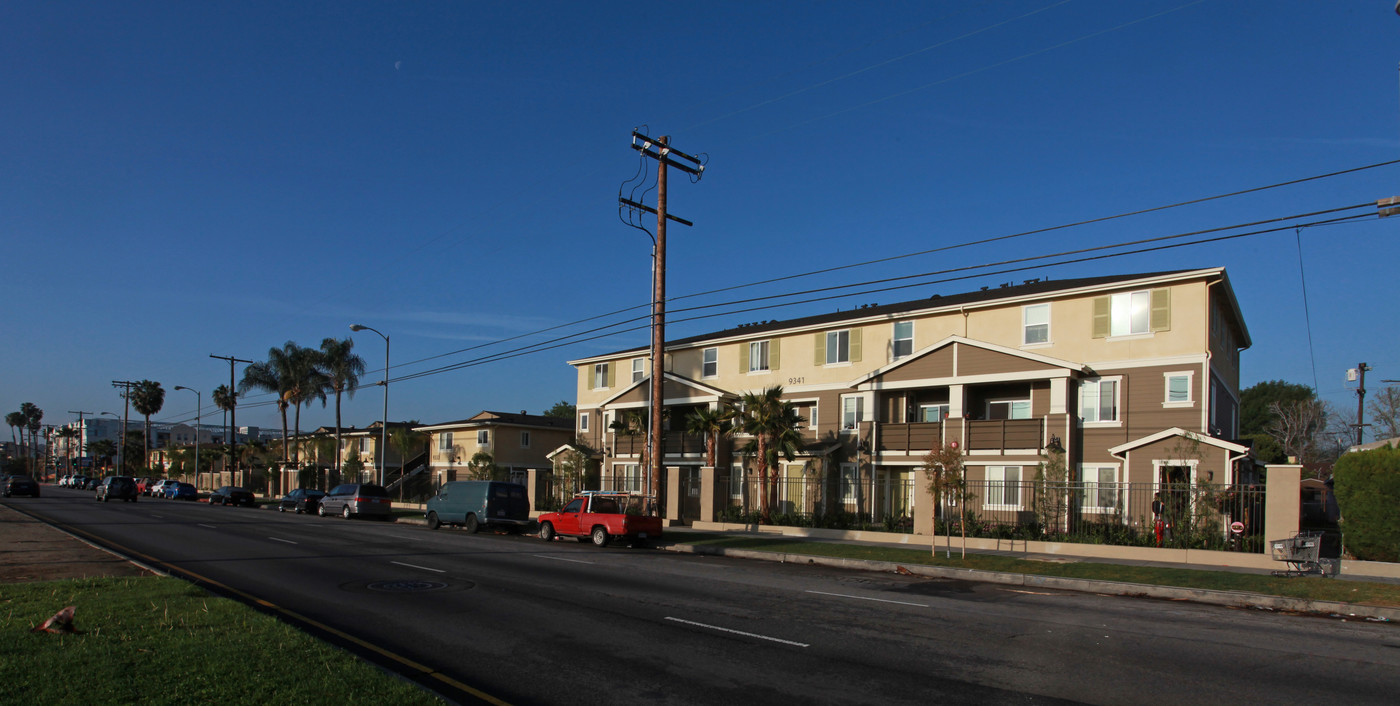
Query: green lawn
[(1313, 588), (164, 641)]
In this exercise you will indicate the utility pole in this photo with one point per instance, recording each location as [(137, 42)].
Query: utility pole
[(82, 434), (661, 151), (126, 415), (1359, 374), (232, 429)]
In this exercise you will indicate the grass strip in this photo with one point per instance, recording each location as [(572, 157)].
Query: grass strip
[(1311, 588), (157, 640)]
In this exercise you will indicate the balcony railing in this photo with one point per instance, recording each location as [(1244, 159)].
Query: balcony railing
[(674, 444), (998, 434), (912, 438)]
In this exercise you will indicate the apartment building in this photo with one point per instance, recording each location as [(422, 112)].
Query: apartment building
[(1135, 377), (516, 443)]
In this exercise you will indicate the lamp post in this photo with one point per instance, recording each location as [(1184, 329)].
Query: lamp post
[(384, 430), (199, 407)]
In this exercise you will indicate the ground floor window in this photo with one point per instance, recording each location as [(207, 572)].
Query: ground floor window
[(1100, 488), (1003, 487)]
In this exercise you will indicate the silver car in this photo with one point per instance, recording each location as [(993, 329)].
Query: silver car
[(357, 500)]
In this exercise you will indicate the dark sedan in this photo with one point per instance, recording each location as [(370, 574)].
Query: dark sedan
[(21, 485), (301, 500), (116, 487), (232, 495)]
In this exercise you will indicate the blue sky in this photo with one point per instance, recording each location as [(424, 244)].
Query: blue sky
[(184, 179)]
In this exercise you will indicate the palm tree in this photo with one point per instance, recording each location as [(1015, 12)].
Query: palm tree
[(68, 434), (773, 422), (225, 398), (147, 397), (405, 440), (308, 383), (273, 375), (102, 449), (33, 418), (16, 420), (343, 370), (712, 425)]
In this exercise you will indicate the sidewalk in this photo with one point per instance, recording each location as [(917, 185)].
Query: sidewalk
[(32, 550), (1215, 597)]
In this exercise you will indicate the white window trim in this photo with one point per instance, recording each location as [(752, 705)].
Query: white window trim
[(848, 491), (860, 414), (1020, 486), (767, 357), (894, 339), (1048, 332), (829, 348), (1118, 486), (1117, 381), (1130, 334), (583, 423), (639, 369), (479, 434), (737, 471), (600, 369), (1190, 376), (1010, 400), (715, 374), (444, 441)]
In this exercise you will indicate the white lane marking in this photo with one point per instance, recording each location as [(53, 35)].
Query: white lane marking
[(158, 517), (209, 526), (415, 566), (863, 598), (739, 632), (1029, 593), (284, 541), (560, 558)]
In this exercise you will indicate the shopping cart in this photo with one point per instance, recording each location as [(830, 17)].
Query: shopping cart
[(1300, 553)]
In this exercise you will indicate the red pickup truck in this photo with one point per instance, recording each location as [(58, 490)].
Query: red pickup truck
[(603, 517)]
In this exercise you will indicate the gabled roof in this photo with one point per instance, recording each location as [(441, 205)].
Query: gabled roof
[(1230, 446), (488, 418), (678, 379), (1031, 288), (1027, 355)]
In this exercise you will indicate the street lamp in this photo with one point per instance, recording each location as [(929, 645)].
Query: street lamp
[(384, 431), (198, 408)]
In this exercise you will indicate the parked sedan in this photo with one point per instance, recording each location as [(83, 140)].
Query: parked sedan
[(232, 495), (301, 500), (20, 485), (356, 499), (180, 491), (157, 488), (119, 487)]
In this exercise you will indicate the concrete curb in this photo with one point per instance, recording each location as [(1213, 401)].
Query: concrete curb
[(1234, 599)]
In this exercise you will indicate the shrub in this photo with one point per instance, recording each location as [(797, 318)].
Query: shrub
[(1367, 484)]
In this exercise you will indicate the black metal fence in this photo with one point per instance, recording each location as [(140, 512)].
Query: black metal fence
[(1183, 516), (883, 503)]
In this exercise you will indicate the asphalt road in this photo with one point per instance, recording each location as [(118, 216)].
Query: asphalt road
[(522, 621)]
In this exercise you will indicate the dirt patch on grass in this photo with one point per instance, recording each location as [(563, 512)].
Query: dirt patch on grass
[(33, 551)]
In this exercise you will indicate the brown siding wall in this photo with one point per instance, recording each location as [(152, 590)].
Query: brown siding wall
[(938, 364), (980, 361)]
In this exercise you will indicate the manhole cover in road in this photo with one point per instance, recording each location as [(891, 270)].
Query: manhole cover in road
[(406, 586)]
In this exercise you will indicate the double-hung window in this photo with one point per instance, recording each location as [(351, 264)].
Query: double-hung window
[(903, 339), (852, 412), (483, 437), (709, 365), (631, 480), (1098, 400), (1100, 488), (600, 375), (1130, 313), (638, 369), (758, 356), (1035, 324), (1178, 390), (583, 423), (445, 441), (524, 439), (1004, 487), (838, 347)]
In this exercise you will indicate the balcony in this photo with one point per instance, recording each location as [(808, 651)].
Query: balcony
[(1001, 434), (676, 444), (913, 438)]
